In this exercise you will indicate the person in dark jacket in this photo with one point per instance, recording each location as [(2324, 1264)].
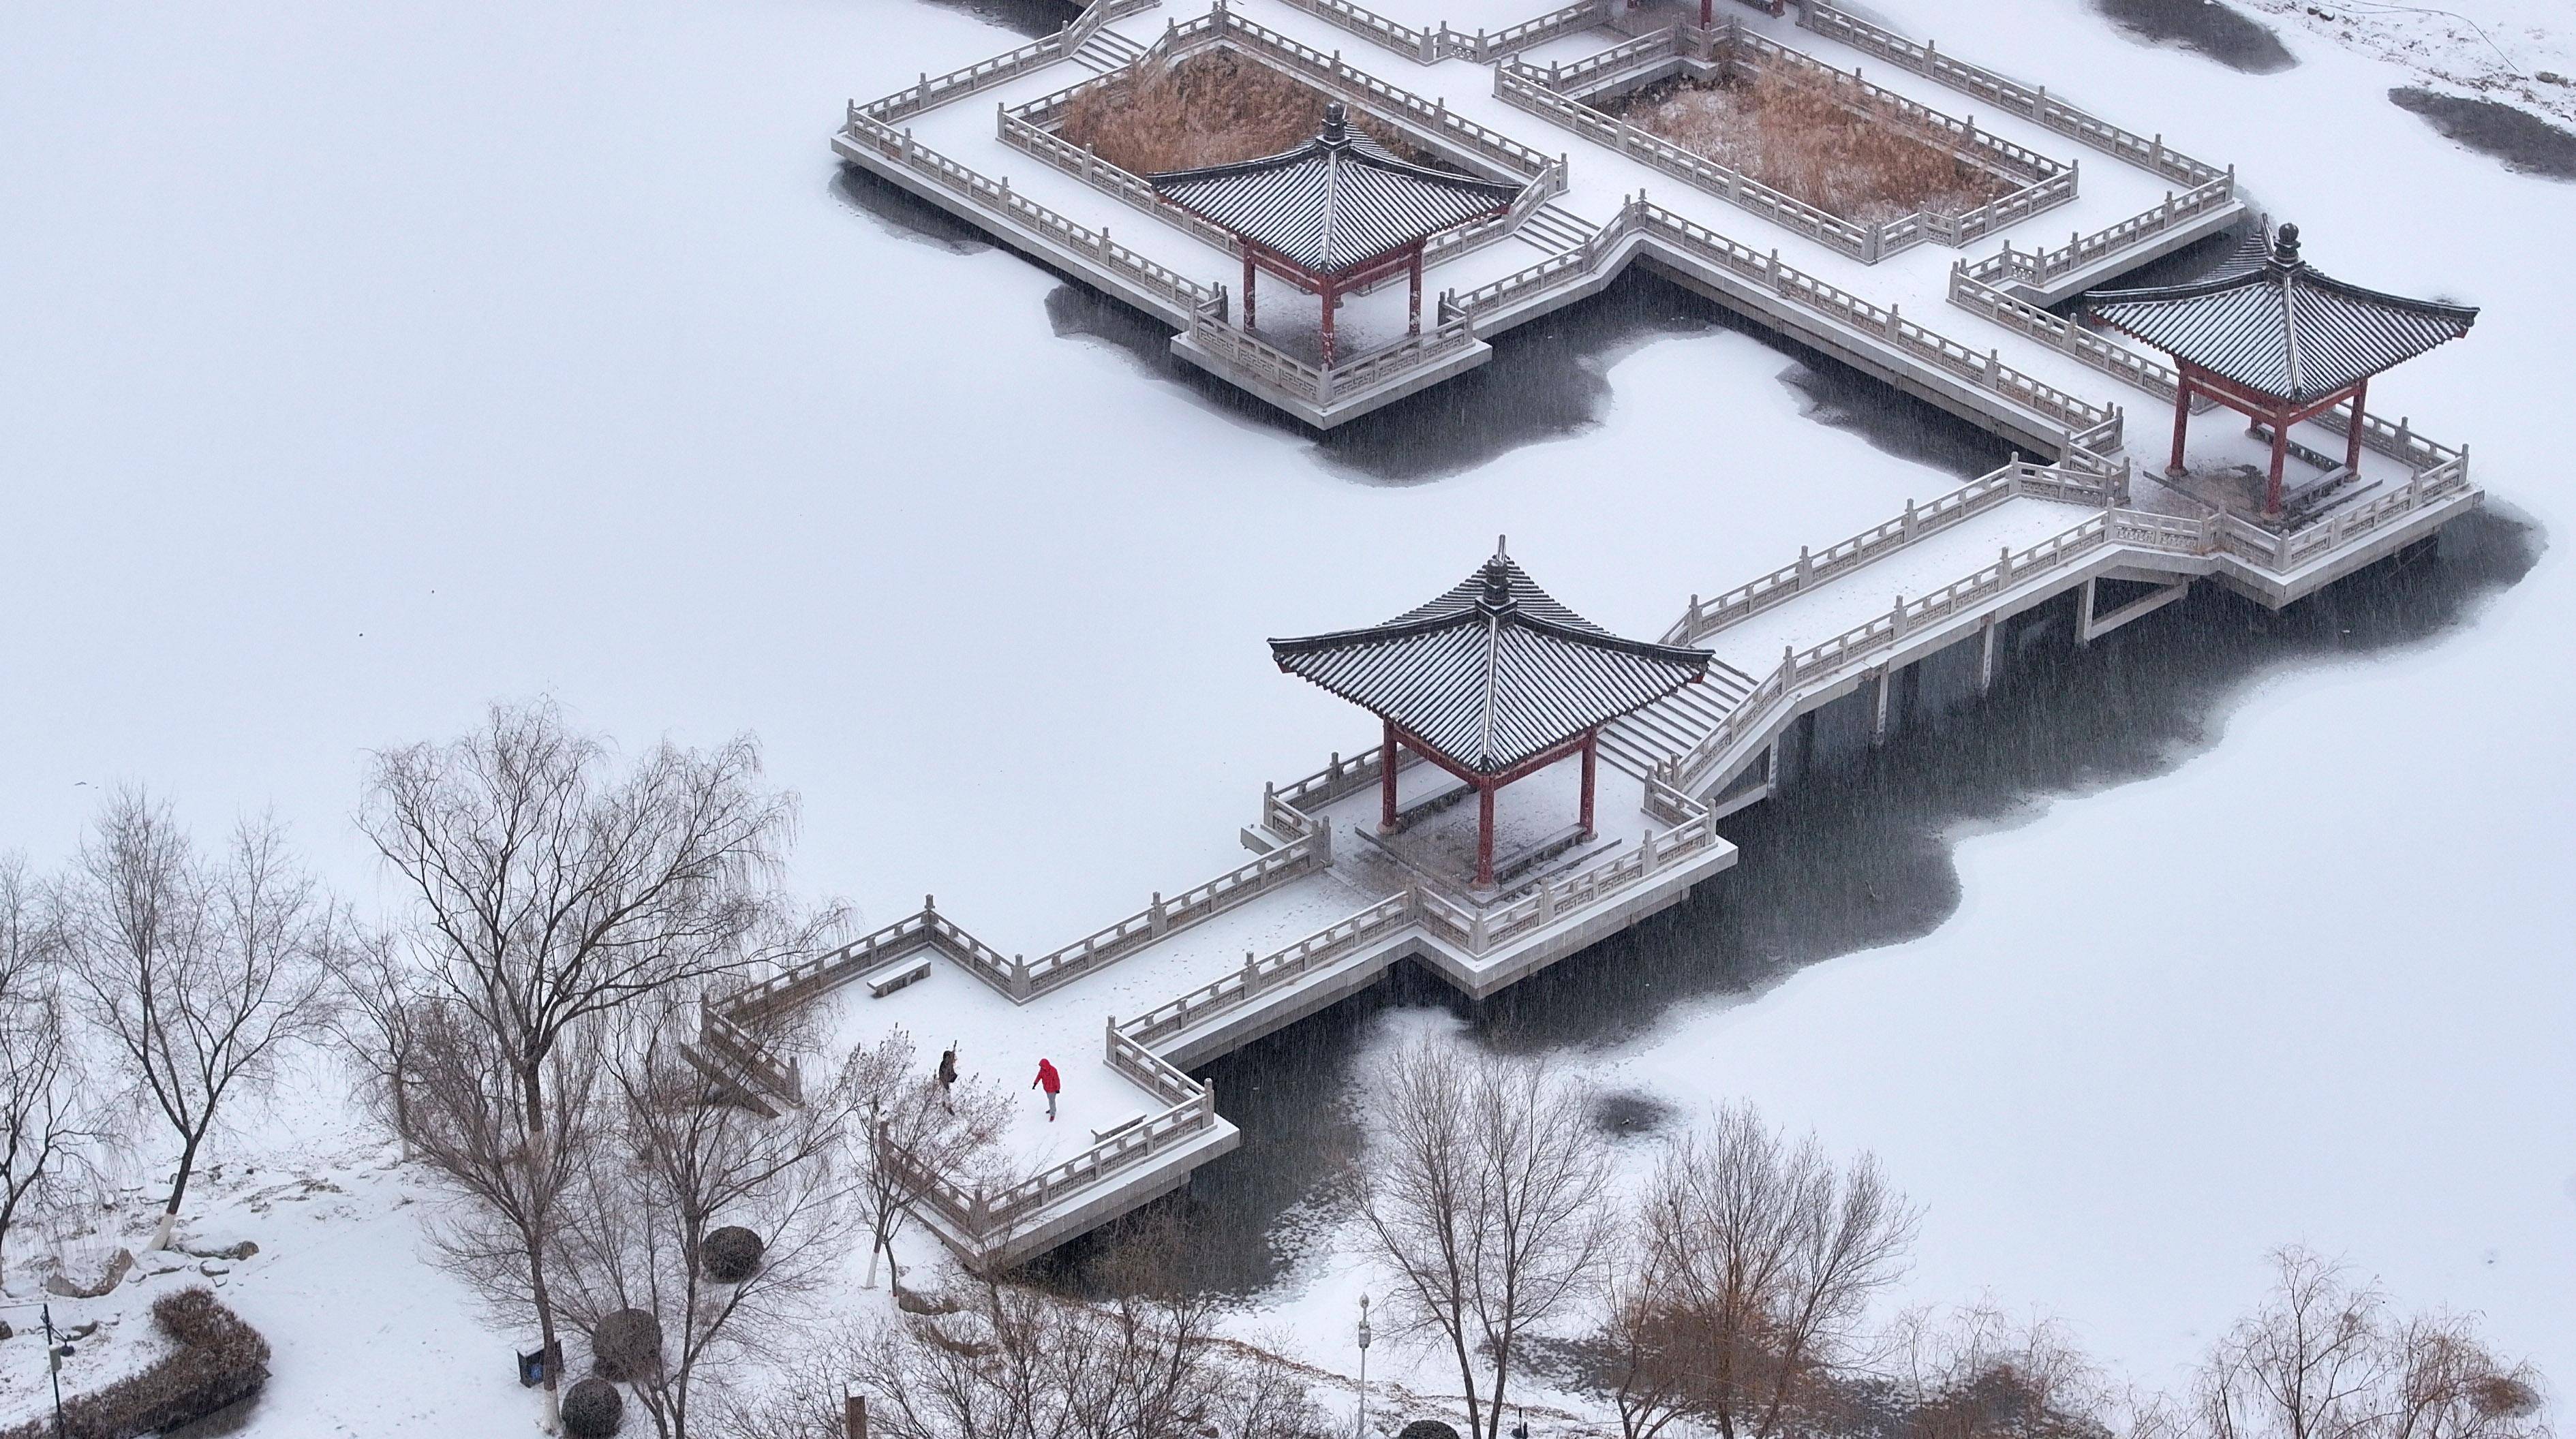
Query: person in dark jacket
[(948, 1077), (1049, 1081)]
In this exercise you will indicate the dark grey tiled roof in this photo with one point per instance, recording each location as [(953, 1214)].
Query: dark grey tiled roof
[(2281, 327), (1492, 672), (1334, 201)]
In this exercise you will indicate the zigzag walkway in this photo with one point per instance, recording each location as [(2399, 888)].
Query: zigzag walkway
[(1327, 906)]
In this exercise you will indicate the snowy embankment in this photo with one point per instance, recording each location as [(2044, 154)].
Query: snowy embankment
[(368, 364)]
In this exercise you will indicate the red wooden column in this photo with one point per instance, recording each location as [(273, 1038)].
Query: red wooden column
[(2280, 457), (1413, 315), (1591, 766), (1247, 287), (1328, 322), (2182, 411), (2352, 438), (1484, 834), (1388, 757)]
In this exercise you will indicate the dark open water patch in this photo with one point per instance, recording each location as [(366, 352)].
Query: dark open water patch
[(2527, 144), (905, 215), (1547, 380), (2204, 27), (1856, 854), (1035, 19)]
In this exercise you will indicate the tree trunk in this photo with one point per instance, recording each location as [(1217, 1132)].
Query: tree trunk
[(178, 1191), (533, 1154)]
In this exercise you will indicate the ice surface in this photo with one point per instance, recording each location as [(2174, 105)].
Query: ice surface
[(368, 363)]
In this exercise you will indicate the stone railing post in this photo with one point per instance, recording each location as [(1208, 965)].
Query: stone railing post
[(1019, 976), (1646, 853), (1806, 568), (1157, 923), (1323, 840)]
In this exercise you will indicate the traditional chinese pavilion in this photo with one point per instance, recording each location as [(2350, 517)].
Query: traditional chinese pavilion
[(1336, 213), (1493, 681), (2279, 342)]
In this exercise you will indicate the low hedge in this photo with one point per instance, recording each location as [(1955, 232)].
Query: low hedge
[(220, 1360)]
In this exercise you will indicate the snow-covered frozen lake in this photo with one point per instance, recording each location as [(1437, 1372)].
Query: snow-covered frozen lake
[(364, 364)]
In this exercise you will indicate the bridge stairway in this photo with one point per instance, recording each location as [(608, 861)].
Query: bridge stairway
[(1673, 725), (1105, 51), (1553, 230)]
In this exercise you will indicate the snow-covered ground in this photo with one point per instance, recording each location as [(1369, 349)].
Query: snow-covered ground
[(365, 364)]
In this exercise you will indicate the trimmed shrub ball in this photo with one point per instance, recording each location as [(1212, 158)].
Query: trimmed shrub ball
[(626, 1345), (1426, 1429), (592, 1409), (730, 1255)]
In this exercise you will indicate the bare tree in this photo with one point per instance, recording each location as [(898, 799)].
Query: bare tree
[(910, 1131), (200, 975), (48, 1134), (550, 889), (672, 1169), (378, 1023), (1015, 1363), (1767, 1254), (1974, 1372), (1484, 1194), (463, 1099), (2323, 1359)]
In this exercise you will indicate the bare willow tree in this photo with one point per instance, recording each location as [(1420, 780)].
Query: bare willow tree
[(1484, 1193), (1760, 1260), (378, 1022), (908, 1130), (1975, 1372), (464, 1102), (200, 974), (49, 1135), (2324, 1359), (1006, 1362), (673, 1169), (551, 887)]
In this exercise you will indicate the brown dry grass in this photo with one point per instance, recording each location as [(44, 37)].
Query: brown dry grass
[(1794, 138), (1211, 109)]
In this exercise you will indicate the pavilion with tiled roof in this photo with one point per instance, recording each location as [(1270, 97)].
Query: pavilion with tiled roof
[(1336, 213), (1492, 681), (2278, 341)]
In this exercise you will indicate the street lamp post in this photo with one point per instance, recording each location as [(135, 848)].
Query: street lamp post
[(1364, 1342)]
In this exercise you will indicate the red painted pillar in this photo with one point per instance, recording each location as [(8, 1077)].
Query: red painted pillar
[(1591, 766), (1247, 289), (2182, 420), (1387, 759), (1413, 316), (1484, 834), (1328, 324), (2280, 457), (2352, 437)]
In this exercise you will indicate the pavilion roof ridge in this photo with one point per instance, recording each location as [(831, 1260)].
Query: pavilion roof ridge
[(2281, 326), (1493, 671), (1338, 201)]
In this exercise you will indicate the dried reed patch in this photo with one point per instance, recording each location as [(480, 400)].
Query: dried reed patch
[(1211, 109), (1794, 138)]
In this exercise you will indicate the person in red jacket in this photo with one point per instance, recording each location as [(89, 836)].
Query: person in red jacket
[(1048, 1081)]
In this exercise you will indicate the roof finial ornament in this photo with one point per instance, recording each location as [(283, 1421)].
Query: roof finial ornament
[(1336, 129), (2285, 250), (1498, 580), (1502, 546)]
